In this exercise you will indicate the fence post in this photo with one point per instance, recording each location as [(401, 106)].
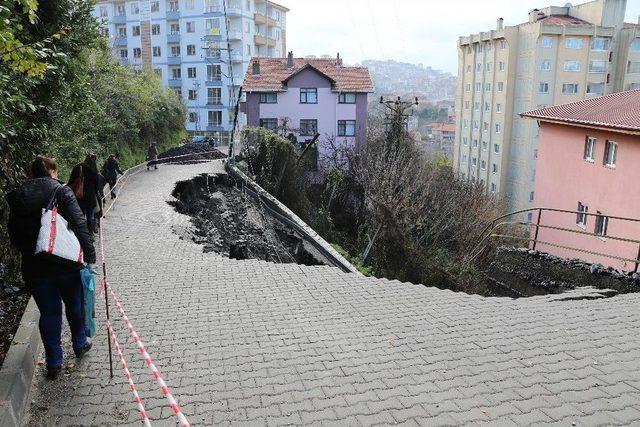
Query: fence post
[(535, 237), (635, 270)]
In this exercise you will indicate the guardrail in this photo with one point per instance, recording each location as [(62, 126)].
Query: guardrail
[(490, 232)]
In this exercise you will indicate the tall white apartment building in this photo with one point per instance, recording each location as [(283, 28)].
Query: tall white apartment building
[(200, 48), (560, 55)]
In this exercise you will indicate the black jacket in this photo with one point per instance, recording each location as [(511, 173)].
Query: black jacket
[(91, 188), (111, 170), (26, 204)]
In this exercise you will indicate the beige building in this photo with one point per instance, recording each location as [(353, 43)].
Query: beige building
[(560, 55)]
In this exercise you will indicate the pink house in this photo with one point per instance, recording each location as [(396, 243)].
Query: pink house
[(589, 164), (309, 94)]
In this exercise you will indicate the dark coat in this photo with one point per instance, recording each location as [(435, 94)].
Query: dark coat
[(25, 209), (111, 170), (92, 191)]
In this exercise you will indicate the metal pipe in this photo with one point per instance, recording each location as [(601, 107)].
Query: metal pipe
[(535, 238)]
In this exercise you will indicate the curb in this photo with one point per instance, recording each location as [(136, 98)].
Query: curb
[(284, 214), (17, 373)]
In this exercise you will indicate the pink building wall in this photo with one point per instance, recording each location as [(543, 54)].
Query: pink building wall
[(564, 178)]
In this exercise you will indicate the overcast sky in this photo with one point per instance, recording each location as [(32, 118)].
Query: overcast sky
[(417, 31)]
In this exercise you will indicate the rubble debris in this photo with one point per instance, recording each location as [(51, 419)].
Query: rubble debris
[(233, 224)]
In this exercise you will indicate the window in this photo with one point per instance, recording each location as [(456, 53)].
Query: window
[(155, 6), (600, 43), (545, 65), (174, 6), (247, 27), (468, 68), (581, 217), (484, 145), (308, 95), (498, 108), (595, 88), (574, 43), (212, 26), (135, 30), (572, 65), (214, 118), (268, 98), (155, 29), (635, 44), (248, 49), (531, 196), (478, 87), (104, 12), (308, 127), (104, 32), (175, 51), (174, 28), (137, 52), (175, 73), (214, 72), (487, 46), (347, 98), (134, 8), (485, 126), (212, 6), (189, 4), (500, 86), (475, 143), (503, 44), (496, 148), (191, 49), (178, 91), (546, 42), (489, 66), (493, 187), (122, 31), (467, 87), (191, 26), (543, 87), (483, 165), (475, 124), (498, 128), (494, 168), (123, 53), (464, 158), (476, 105), (570, 88), (193, 117), (465, 123), (120, 10), (156, 51), (501, 66), (191, 72), (214, 95), (346, 127), (467, 104), (610, 153), (602, 223), (465, 140), (589, 149), (597, 66), (192, 94), (158, 71), (249, 5), (474, 161), (487, 87), (269, 123), (633, 67), (486, 106)]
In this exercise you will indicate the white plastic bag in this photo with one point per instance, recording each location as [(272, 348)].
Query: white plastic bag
[(55, 238)]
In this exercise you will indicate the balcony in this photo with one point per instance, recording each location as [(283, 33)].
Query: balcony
[(173, 14), (261, 18), (119, 19), (213, 11), (174, 60), (262, 40), (236, 57), (175, 82), (235, 35), (214, 82), (173, 38), (214, 102), (120, 41), (217, 127), (234, 11)]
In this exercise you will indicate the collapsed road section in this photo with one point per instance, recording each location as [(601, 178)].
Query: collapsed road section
[(231, 223)]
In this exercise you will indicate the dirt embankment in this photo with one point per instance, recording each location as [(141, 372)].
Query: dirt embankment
[(231, 223)]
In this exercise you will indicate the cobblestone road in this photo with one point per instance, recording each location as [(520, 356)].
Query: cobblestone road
[(248, 342)]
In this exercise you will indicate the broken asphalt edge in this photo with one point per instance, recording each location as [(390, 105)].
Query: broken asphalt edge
[(285, 214), (19, 367)]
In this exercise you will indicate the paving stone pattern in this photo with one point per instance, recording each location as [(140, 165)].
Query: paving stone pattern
[(255, 343)]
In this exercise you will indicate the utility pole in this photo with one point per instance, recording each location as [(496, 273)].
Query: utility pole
[(397, 114), (196, 87)]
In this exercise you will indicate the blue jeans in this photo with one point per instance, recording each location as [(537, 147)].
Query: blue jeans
[(49, 293)]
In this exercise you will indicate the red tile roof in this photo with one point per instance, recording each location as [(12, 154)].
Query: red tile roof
[(619, 111), (564, 20), (274, 73), (444, 127)]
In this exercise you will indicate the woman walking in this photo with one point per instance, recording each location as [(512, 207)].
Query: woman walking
[(152, 156), (50, 281), (90, 197), (110, 171)]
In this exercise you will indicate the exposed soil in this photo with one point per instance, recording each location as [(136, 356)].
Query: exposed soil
[(200, 152), (12, 304), (233, 224)]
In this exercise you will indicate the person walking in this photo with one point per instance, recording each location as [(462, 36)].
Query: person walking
[(49, 281), (110, 171), (152, 156), (91, 197)]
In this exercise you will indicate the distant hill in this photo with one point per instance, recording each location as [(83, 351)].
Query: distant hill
[(404, 79)]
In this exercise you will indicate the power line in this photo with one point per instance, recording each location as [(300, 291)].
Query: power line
[(355, 29), (375, 27), (404, 46)]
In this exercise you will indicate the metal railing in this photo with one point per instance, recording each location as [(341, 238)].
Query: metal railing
[(491, 232)]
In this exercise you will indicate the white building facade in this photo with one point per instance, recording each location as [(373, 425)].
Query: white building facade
[(200, 48)]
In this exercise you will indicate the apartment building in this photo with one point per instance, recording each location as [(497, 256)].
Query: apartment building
[(560, 55), (310, 95), (200, 48), (588, 156)]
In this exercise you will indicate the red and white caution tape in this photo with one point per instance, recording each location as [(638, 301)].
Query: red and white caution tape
[(156, 374), (127, 374)]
